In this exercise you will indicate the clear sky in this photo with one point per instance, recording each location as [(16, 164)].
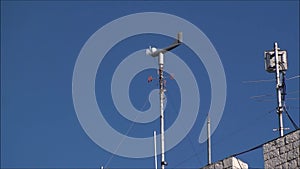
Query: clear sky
[(41, 41)]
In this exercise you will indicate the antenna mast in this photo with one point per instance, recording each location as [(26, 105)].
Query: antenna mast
[(155, 154), (276, 62), (208, 141), (160, 54), (161, 98)]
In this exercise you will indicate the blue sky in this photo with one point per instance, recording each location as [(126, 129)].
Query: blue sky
[(40, 42)]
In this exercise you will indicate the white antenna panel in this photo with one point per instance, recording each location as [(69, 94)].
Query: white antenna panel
[(270, 62)]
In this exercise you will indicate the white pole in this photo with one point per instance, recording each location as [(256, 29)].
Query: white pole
[(155, 153), (208, 141), (161, 97), (160, 53), (278, 89)]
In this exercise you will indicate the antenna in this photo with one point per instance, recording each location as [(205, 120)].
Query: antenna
[(155, 153), (160, 54), (276, 62), (208, 141)]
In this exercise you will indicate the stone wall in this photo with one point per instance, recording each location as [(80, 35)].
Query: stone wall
[(228, 163), (283, 152)]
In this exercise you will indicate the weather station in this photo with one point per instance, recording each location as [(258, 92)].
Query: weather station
[(154, 52)]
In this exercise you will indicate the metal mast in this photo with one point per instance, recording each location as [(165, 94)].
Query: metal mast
[(276, 62), (160, 54), (208, 141), (161, 98), (278, 90), (155, 154)]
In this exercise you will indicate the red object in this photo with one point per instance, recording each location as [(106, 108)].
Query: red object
[(150, 79)]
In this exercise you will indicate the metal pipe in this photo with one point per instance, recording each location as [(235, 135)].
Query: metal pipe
[(278, 89), (155, 152), (161, 97), (208, 141)]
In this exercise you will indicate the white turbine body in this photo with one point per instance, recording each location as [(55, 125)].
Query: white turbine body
[(153, 50)]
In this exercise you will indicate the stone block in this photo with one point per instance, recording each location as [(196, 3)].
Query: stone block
[(272, 143), (293, 164), (296, 144), (266, 156), (267, 165), (269, 147), (242, 164), (289, 147), (227, 162), (282, 150), (282, 158), (286, 148), (293, 154), (274, 162), (219, 165), (211, 166), (274, 153), (292, 137), (285, 165), (266, 148), (279, 142)]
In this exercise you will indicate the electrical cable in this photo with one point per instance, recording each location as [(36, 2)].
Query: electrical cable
[(290, 118), (294, 77), (246, 151), (234, 155), (271, 100), (283, 86), (261, 145), (269, 80), (170, 98), (283, 98), (269, 95), (221, 140), (128, 130)]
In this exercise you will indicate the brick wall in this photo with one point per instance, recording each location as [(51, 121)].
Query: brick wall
[(283, 152)]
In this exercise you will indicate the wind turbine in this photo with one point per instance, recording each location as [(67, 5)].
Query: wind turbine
[(154, 52)]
